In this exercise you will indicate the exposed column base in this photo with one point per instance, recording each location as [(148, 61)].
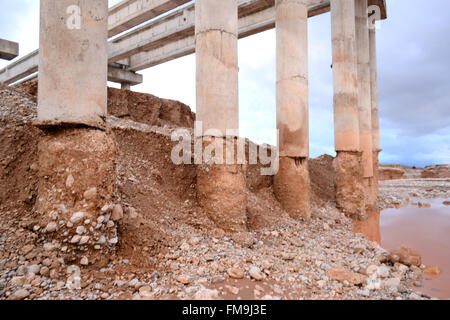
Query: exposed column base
[(371, 227), (292, 187), (371, 200), (221, 192), (350, 195), (77, 174)]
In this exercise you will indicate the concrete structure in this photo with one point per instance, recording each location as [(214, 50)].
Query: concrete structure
[(349, 184), (375, 110), (292, 185), (74, 56), (364, 98), (72, 69), (8, 49), (220, 187), (217, 64), (172, 36)]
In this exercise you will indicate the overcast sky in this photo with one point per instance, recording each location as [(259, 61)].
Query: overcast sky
[(414, 78)]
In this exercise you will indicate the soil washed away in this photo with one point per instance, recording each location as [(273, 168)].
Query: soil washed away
[(428, 231)]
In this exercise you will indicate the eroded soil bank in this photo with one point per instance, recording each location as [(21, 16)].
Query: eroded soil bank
[(168, 247)]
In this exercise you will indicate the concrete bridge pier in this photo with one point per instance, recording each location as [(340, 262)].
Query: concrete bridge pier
[(292, 182), (375, 109), (350, 197), (76, 155), (364, 97), (221, 188)]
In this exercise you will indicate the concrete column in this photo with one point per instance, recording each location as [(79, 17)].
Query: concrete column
[(220, 186), (292, 184), (125, 86), (375, 107), (348, 166), (374, 91), (216, 36), (364, 100), (77, 159), (73, 62)]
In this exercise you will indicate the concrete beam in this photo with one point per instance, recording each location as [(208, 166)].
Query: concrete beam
[(169, 47), (130, 13), (8, 49), (20, 68), (172, 36), (124, 77), (27, 65)]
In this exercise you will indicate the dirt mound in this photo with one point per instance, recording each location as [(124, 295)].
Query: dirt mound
[(436, 172), (390, 173), (140, 107), (159, 195)]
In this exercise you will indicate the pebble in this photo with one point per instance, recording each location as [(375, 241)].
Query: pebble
[(256, 273), (51, 227), (77, 217), (184, 279), (117, 213), (20, 294), (235, 273)]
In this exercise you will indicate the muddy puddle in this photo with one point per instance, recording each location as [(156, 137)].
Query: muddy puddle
[(423, 225)]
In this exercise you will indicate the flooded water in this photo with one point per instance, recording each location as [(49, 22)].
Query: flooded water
[(425, 229)]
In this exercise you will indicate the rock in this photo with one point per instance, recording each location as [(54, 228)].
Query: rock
[(69, 181), (51, 227), (244, 239), (117, 213), (19, 295), (84, 240), (50, 246), (391, 284), (407, 256), (372, 269), (102, 240), (341, 275), (80, 230), (146, 292), (34, 269), (45, 271), (84, 261), (383, 271), (235, 273), (322, 283), (75, 239), (446, 203), (27, 249), (206, 294), (113, 241), (90, 194), (184, 279), (77, 217), (232, 290), (432, 271), (255, 273), (132, 213)]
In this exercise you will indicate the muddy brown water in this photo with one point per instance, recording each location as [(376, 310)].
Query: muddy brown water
[(425, 229)]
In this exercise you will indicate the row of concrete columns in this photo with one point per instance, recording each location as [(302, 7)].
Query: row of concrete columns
[(73, 78), (355, 94)]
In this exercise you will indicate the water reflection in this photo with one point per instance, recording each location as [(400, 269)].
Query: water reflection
[(371, 227), (424, 227)]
